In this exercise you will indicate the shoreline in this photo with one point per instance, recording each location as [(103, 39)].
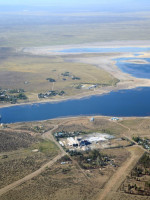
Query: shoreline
[(100, 92), (54, 50), (71, 117), (79, 96)]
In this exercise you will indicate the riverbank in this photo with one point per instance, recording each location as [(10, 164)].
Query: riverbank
[(131, 84), (122, 103)]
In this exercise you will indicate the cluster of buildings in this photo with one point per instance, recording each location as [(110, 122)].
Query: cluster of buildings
[(89, 87), (77, 142), (50, 94)]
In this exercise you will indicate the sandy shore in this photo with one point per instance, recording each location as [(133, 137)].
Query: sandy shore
[(52, 50), (122, 85), (137, 61)]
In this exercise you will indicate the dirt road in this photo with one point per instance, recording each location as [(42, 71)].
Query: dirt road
[(30, 176), (121, 173), (48, 135)]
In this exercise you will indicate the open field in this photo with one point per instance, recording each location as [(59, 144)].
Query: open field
[(70, 180), (41, 29), (21, 153), (66, 182), (138, 127), (13, 140), (30, 73)]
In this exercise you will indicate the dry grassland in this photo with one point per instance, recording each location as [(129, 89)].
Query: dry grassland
[(16, 70)]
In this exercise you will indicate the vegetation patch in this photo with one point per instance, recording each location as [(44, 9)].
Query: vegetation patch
[(10, 141), (145, 143), (50, 94), (6, 95), (46, 147), (139, 180), (91, 159), (51, 80)]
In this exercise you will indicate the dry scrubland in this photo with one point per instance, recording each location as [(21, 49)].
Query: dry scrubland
[(68, 181), (16, 156), (65, 183)]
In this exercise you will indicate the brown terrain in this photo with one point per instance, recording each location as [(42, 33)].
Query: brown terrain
[(104, 183)]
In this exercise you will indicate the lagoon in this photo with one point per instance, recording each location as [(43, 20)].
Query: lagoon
[(136, 70)]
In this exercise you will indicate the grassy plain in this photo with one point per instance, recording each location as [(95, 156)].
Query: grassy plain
[(137, 127), (17, 158), (41, 29), (17, 69)]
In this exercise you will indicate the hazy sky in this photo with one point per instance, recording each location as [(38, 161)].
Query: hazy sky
[(31, 2), (102, 4)]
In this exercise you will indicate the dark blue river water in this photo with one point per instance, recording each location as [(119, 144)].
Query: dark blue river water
[(135, 102)]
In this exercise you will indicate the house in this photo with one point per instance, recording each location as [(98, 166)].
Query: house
[(92, 119), (61, 143), (114, 118)]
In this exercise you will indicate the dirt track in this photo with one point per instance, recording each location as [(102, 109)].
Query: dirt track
[(120, 175), (48, 135)]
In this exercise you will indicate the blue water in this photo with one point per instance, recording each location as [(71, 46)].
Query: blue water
[(135, 102), (136, 70), (106, 50)]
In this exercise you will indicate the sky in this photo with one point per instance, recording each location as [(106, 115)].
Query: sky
[(31, 2), (101, 4)]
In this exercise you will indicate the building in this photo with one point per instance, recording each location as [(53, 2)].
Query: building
[(115, 119), (72, 141), (92, 119), (61, 143), (84, 143)]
